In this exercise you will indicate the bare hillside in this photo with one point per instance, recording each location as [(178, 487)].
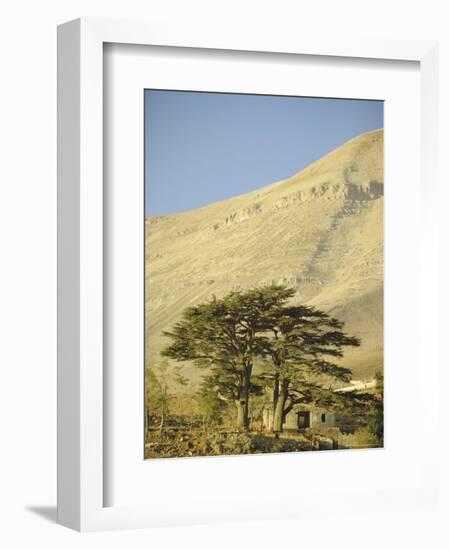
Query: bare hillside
[(320, 231)]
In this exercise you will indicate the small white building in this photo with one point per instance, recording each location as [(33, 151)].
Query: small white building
[(301, 419)]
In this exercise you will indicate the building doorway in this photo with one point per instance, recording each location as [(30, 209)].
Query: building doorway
[(303, 420)]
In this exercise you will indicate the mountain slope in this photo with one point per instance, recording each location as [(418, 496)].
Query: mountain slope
[(320, 231)]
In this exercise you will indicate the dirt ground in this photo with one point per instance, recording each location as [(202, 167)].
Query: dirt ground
[(196, 443)]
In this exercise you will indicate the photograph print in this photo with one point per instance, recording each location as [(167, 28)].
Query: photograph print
[(263, 274)]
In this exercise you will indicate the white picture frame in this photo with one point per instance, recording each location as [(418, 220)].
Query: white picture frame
[(81, 475)]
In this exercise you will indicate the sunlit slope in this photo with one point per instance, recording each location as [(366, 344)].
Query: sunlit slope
[(320, 231)]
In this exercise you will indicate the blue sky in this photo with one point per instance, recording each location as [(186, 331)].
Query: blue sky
[(204, 147)]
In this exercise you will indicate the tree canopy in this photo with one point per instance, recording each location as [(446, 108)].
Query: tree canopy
[(227, 335)]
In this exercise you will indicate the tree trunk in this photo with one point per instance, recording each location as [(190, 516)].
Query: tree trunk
[(242, 403), (161, 425), (275, 393), (242, 414), (270, 420), (278, 412), (240, 421)]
